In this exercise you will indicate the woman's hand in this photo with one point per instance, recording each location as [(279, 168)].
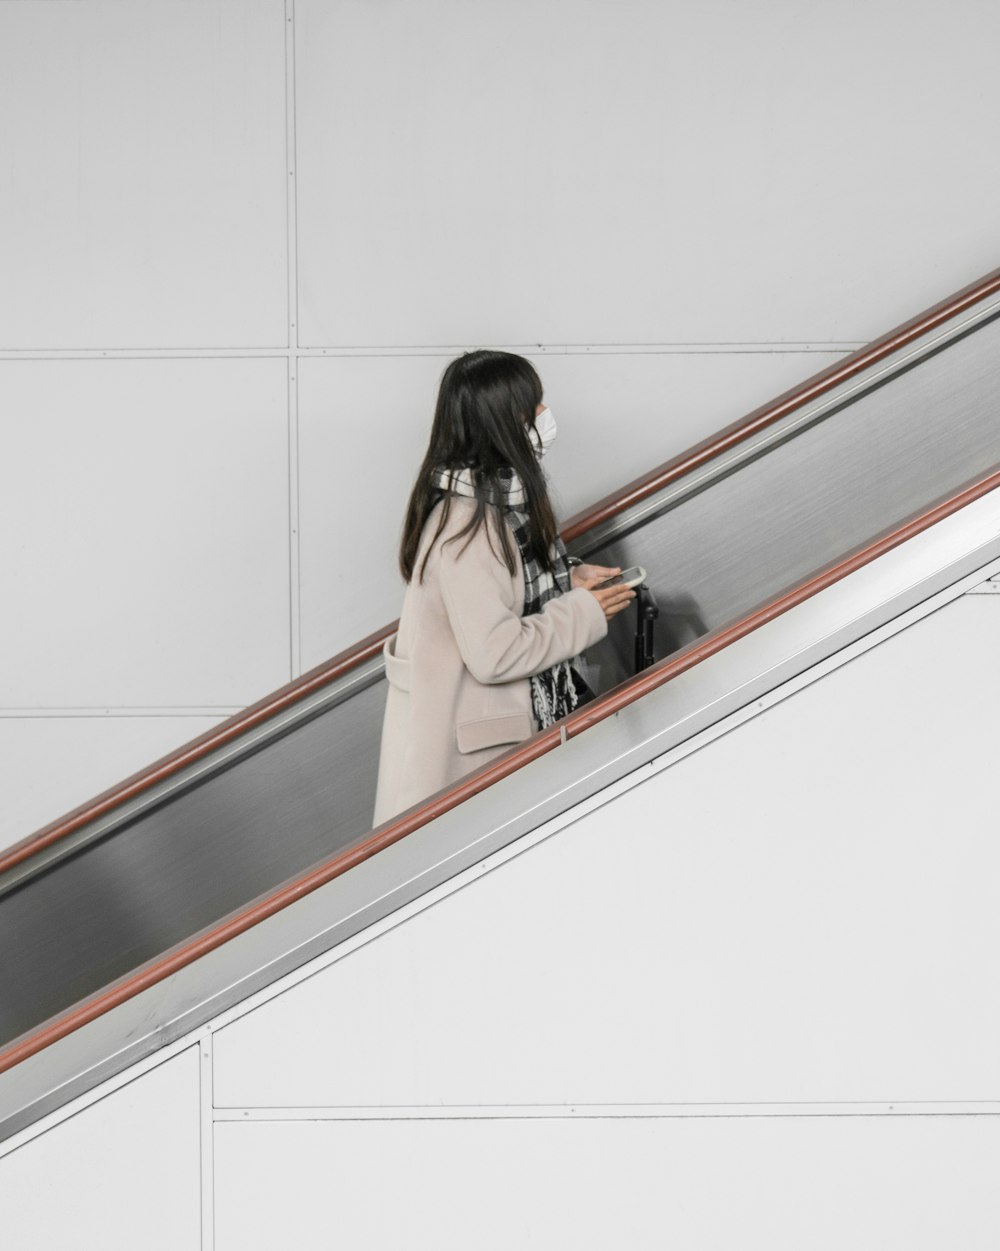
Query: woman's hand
[(611, 598), (587, 575)]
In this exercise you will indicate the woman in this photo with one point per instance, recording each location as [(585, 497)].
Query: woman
[(493, 617)]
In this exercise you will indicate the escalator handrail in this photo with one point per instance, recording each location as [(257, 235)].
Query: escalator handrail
[(641, 488), (266, 905)]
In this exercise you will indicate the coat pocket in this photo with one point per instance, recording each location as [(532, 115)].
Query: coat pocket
[(493, 731), (397, 669)]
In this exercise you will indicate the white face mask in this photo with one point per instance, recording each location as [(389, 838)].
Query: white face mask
[(544, 430)]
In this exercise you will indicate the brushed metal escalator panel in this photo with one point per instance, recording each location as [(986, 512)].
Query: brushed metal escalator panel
[(150, 884)]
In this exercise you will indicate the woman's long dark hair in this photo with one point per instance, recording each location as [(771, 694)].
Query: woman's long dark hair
[(485, 411)]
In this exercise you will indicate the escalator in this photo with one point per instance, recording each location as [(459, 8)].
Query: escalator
[(770, 546)]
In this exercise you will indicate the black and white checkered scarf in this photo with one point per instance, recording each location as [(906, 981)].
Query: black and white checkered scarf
[(553, 693)]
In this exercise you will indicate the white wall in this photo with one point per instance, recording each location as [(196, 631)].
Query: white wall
[(586, 1185), (121, 1173), (745, 1003), (677, 211)]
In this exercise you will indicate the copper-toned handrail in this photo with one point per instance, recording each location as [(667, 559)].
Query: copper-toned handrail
[(399, 827), (603, 510)]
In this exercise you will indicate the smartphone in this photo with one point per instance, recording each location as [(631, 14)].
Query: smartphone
[(627, 577)]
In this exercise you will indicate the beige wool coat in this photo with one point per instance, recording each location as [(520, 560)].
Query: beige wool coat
[(458, 666)]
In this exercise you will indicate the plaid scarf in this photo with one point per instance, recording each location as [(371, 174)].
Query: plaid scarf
[(553, 692)]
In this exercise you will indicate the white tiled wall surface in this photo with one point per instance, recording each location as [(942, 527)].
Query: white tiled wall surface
[(153, 549), (123, 1172), (242, 238), (585, 1185), (143, 202), (640, 172)]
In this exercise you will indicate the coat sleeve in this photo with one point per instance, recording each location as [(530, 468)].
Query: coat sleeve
[(494, 642)]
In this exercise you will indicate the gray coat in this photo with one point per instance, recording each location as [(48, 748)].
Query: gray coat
[(458, 666)]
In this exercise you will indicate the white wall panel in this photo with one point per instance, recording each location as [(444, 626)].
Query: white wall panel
[(804, 909), (143, 197), (122, 1173), (364, 423), (144, 514), (919, 1183), (574, 171), (53, 764)]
